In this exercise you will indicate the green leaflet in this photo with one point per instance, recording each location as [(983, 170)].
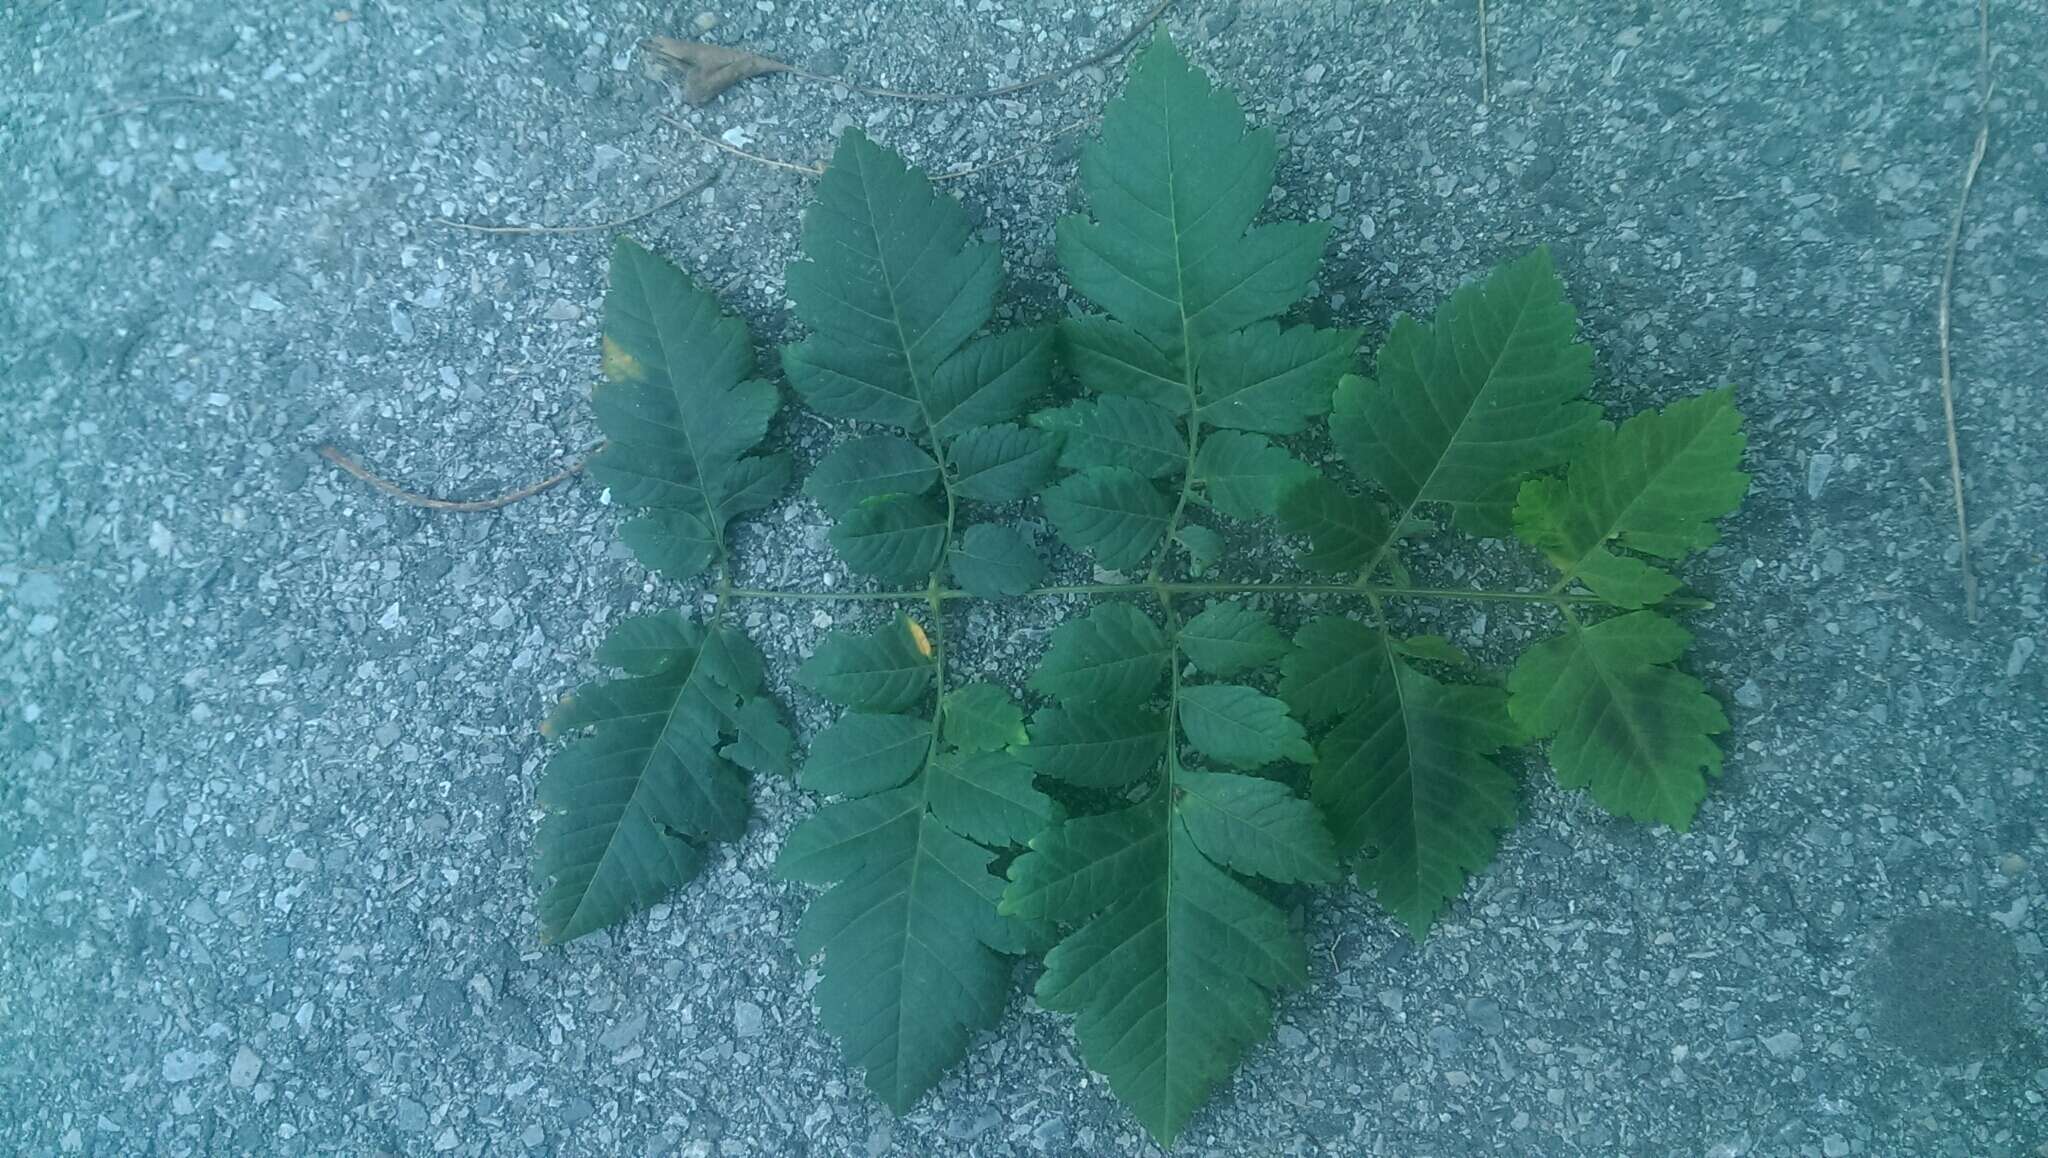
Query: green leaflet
[(912, 945), (1169, 963), (1245, 476), (1112, 512), (884, 672), (1620, 720), (995, 560), (1001, 464), (896, 537), (860, 469), (680, 415), (1469, 404), (982, 717), (1112, 656), (1228, 638), (1654, 485), (630, 806), (1116, 430), (1239, 726), (1272, 380), (1345, 532), (1404, 772)]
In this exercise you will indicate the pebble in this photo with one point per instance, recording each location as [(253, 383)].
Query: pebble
[(243, 1070), (1749, 695), (1485, 1013), (746, 1019), (625, 1033), (182, 1065), (1783, 1044), (1818, 468)]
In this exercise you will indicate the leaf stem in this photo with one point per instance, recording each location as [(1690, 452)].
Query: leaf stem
[(1370, 591)]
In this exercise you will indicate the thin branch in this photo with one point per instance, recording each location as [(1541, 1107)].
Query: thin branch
[(935, 98), (142, 106), (383, 486), (819, 170), (735, 150), (1485, 63), (685, 195), (1942, 311), (1370, 591)]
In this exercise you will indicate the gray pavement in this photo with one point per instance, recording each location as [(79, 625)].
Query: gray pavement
[(267, 740)]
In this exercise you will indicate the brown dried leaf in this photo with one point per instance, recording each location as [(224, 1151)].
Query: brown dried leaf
[(710, 69)]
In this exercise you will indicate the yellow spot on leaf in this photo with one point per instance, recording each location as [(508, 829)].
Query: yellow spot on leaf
[(620, 366), (918, 637)]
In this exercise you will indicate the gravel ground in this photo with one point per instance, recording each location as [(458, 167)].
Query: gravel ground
[(267, 743)]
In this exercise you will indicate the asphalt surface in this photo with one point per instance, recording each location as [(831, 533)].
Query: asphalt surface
[(267, 739)]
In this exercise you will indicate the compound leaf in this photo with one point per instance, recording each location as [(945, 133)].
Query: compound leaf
[(995, 560), (908, 930), (1114, 655), (1654, 485), (1405, 774), (1470, 403), (1001, 464), (1621, 721), (630, 806), (884, 672), (680, 415), (891, 287), (1228, 638), (1246, 476), (860, 469), (1241, 727), (1112, 512), (896, 537), (1118, 430)]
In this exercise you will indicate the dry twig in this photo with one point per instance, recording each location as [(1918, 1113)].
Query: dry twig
[(819, 170), (650, 211), (334, 455), (1948, 277), (1485, 64), (710, 69)]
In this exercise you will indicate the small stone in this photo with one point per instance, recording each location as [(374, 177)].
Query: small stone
[(243, 1070), (210, 161), (258, 300), (1485, 1013), (1783, 1044), (411, 1117), (746, 1019), (182, 1065), (447, 1141), (564, 311), (154, 798), (624, 1033), (1749, 695), (575, 1110), (1818, 468), (1292, 1038), (2022, 651), (1835, 1146)]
